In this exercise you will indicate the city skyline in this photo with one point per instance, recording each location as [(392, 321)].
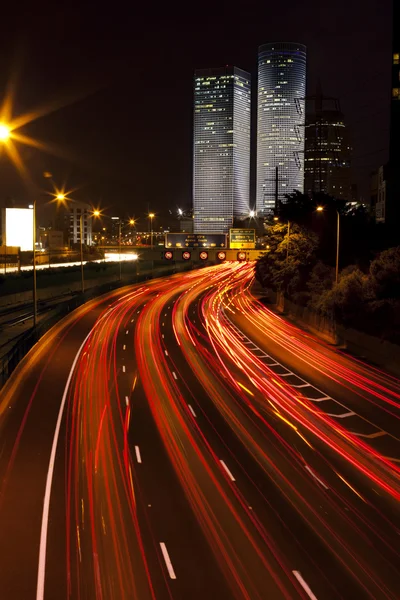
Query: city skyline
[(110, 152), (221, 148)]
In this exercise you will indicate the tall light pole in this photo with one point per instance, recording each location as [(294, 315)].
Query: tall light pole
[(320, 209), (151, 217), (119, 248), (34, 265), (61, 197), (98, 213)]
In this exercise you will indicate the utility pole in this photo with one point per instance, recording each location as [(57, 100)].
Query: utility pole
[(81, 236), (34, 267)]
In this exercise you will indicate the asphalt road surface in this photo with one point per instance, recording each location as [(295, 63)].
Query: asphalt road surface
[(177, 439)]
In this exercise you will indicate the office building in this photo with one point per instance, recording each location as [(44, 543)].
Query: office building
[(76, 211), (280, 123), (327, 148), (221, 148), (393, 182)]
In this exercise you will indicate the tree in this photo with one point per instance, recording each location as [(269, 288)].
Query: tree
[(286, 265), (346, 302), (385, 274), (320, 281)]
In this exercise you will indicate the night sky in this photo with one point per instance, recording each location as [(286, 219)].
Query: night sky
[(124, 81)]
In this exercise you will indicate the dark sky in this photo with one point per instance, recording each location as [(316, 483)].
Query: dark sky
[(126, 140)]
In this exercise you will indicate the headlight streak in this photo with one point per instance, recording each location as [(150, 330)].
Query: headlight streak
[(226, 342), (172, 418)]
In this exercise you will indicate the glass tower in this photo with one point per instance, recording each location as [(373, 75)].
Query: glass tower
[(280, 124), (221, 148)]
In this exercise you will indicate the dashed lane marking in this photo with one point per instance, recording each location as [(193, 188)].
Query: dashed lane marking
[(227, 470), (168, 562)]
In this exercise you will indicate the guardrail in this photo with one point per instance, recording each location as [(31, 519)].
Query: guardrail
[(10, 360)]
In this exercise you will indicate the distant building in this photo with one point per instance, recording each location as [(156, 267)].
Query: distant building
[(51, 239), (380, 207), (280, 122), (327, 149), (186, 225), (76, 211), (221, 148), (393, 191)]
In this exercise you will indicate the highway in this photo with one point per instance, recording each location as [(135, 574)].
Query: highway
[(178, 439)]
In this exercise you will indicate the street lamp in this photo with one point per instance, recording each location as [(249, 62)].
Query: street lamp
[(320, 209), (62, 198), (151, 217), (5, 132)]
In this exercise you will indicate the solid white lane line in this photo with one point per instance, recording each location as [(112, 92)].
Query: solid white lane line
[(320, 399), (303, 385), (316, 477), (49, 481), (138, 457), (174, 374), (343, 416), (124, 348), (227, 470), (123, 368), (371, 435), (167, 559), (304, 585), (127, 331), (166, 352), (191, 410), (162, 335), (127, 400)]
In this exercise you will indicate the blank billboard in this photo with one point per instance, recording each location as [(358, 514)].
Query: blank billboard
[(19, 228)]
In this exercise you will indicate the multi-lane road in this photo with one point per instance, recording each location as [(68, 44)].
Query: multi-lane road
[(177, 439)]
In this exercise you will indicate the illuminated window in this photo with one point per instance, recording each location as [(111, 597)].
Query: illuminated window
[(396, 92), (396, 58)]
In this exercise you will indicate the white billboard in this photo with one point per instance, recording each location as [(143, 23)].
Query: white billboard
[(19, 228)]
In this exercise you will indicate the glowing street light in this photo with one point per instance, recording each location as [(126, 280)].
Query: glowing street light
[(4, 132), (252, 213), (151, 217), (60, 197), (320, 208)]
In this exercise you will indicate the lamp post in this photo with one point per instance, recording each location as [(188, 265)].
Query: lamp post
[(97, 213), (151, 217), (61, 197), (320, 209), (34, 265)]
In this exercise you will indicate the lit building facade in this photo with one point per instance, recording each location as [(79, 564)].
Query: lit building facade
[(327, 149), (280, 123), (392, 212), (76, 211), (221, 148)]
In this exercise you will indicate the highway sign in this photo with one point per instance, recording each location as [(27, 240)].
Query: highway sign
[(242, 238)]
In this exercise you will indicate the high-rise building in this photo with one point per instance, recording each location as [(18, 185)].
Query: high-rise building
[(80, 213), (280, 124), (221, 148), (327, 148), (393, 191)]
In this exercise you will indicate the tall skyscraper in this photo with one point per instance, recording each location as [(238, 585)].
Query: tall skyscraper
[(221, 148), (280, 124), (327, 148), (392, 210)]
